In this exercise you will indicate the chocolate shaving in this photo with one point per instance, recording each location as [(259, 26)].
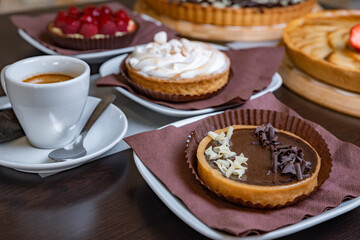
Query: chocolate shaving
[(274, 157), (286, 159), (258, 131), (282, 147), (298, 171), (288, 168)]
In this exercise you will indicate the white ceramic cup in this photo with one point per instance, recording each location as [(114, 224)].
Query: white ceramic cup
[(48, 113)]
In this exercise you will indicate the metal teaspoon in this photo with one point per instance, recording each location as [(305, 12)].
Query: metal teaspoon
[(76, 149)]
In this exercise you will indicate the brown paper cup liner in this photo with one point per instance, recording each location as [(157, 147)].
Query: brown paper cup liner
[(159, 95), (257, 117), (111, 42)]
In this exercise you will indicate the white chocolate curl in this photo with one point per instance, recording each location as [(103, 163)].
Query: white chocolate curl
[(222, 153), (176, 59)]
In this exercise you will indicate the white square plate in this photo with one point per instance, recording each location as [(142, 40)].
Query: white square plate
[(180, 210)]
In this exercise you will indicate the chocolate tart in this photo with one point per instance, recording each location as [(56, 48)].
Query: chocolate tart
[(252, 14), (259, 195), (318, 44), (259, 184)]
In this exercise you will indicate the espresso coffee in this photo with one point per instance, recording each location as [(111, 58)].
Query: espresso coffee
[(48, 78)]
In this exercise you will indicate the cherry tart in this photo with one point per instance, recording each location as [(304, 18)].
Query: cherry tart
[(92, 28)]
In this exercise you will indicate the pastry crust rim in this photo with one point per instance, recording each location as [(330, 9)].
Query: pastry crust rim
[(108, 42), (157, 84), (228, 16), (51, 25)]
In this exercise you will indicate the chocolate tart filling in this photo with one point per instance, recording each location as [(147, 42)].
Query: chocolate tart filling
[(255, 195), (260, 166)]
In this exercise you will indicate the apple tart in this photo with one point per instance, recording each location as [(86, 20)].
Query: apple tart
[(318, 44)]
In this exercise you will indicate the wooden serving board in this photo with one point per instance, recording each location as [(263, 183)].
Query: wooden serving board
[(316, 91), (214, 32)]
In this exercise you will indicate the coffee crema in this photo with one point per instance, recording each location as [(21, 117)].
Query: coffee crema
[(48, 78)]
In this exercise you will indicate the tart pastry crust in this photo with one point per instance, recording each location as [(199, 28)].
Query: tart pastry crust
[(199, 85), (254, 195), (106, 42), (317, 43), (228, 16), (178, 68)]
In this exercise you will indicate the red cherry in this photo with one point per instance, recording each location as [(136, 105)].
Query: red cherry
[(121, 25), (121, 14), (109, 28), (71, 26), (92, 10), (60, 19), (103, 19), (105, 10), (354, 38), (62, 15), (73, 12), (88, 29), (87, 19)]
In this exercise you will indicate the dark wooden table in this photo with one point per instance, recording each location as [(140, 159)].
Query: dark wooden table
[(108, 198)]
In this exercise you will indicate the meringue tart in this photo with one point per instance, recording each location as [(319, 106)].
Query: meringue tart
[(233, 13), (178, 67), (258, 166), (318, 44)]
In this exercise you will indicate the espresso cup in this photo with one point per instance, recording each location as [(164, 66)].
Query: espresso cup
[(49, 113)]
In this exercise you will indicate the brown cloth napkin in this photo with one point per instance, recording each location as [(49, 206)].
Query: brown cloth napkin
[(251, 71), (162, 151), (36, 27), (9, 126)]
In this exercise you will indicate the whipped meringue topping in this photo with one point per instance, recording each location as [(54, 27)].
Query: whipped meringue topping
[(177, 59)]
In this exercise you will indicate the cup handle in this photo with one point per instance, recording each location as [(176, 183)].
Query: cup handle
[(3, 83)]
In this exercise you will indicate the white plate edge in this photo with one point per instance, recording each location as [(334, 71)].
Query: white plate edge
[(83, 56), (164, 194), (275, 84), (35, 43)]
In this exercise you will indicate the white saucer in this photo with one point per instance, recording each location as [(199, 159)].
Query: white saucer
[(112, 67), (180, 210), (107, 131)]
